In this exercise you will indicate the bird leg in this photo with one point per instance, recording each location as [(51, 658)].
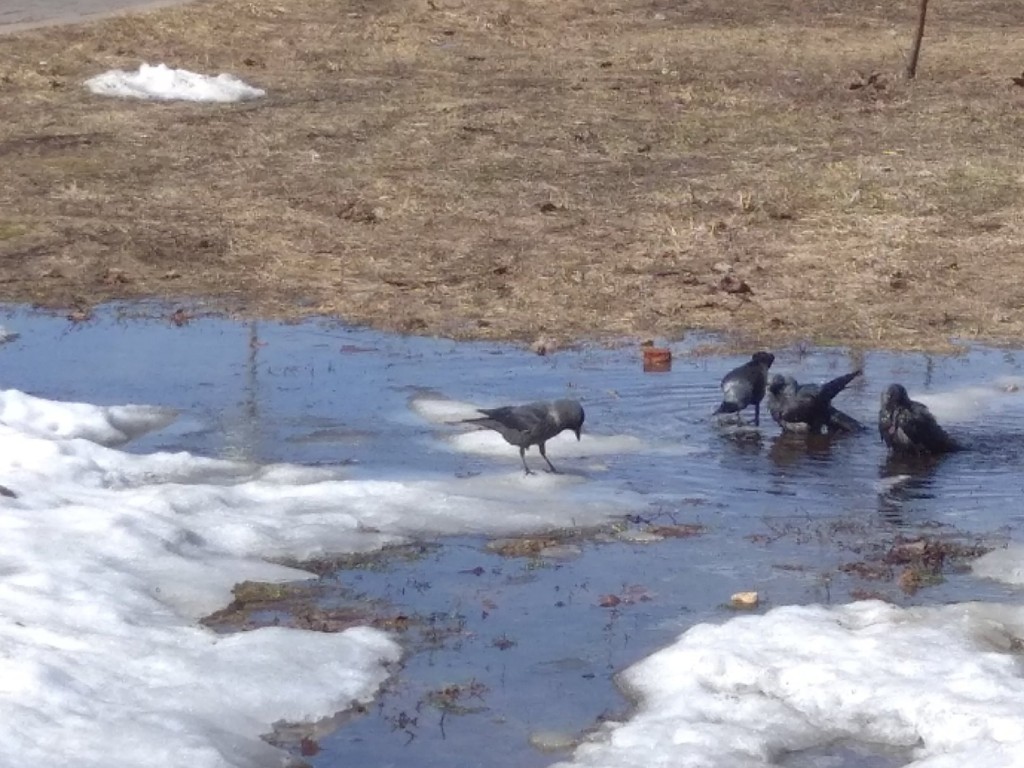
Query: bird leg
[(522, 455), (757, 414), (545, 455)]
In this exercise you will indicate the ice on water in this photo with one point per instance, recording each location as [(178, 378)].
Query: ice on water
[(972, 402), (1005, 565)]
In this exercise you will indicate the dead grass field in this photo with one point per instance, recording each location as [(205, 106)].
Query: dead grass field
[(525, 168)]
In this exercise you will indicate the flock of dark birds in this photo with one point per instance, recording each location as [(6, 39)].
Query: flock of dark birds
[(906, 426)]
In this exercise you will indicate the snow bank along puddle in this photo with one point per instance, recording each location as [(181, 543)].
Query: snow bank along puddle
[(308, 442)]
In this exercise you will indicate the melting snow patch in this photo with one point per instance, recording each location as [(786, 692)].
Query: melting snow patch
[(104, 425), (750, 691), (163, 83)]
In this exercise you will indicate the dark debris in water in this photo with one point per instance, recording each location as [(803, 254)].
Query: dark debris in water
[(528, 546), (913, 563), (557, 544), (380, 560), (302, 740), (321, 605), (924, 561), (884, 554), (300, 605), (460, 698), (630, 594)]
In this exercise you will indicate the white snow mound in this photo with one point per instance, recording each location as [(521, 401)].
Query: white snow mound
[(162, 83), (935, 683)]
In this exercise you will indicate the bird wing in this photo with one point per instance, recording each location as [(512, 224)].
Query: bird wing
[(738, 387), (811, 403), (923, 431), (516, 423), (802, 407)]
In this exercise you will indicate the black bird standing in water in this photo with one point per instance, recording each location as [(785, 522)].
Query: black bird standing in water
[(807, 408), (532, 424), (745, 385), (907, 427)]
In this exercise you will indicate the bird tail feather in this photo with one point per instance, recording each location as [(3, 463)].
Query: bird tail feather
[(832, 388)]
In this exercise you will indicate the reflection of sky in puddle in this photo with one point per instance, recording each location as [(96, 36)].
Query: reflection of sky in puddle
[(321, 394)]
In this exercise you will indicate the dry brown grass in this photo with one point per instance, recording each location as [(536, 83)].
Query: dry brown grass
[(515, 168)]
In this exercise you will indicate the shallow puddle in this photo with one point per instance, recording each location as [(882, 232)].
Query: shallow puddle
[(524, 648)]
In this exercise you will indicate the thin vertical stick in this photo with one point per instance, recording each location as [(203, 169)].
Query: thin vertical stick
[(911, 70)]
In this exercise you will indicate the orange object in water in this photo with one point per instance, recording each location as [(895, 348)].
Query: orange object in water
[(657, 359)]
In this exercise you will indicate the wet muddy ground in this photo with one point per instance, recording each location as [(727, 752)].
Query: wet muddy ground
[(513, 644)]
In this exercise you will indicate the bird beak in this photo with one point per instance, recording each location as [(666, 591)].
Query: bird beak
[(578, 433)]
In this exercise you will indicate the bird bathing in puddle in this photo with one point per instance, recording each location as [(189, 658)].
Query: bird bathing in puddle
[(807, 408), (532, 424), (908, 428), (745, 386)]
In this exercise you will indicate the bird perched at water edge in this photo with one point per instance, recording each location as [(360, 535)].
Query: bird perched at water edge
[(908, 427), (532, 424), (745, 385), (807, 408)]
